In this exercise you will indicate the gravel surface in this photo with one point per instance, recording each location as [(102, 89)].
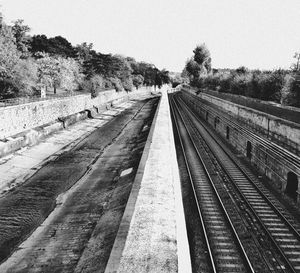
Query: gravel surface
[(80, 232), (198, 249)]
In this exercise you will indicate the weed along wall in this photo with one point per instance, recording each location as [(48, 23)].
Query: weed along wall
[(241, 127), (18, 118)]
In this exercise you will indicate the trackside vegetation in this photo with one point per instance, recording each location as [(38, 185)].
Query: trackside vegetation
[(281, 86)]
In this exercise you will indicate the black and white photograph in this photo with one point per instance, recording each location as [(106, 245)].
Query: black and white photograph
[(142, 136)]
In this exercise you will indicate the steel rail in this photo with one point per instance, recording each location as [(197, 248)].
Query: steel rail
[(274, 147), (280, 154), (212, 261), (289, 225), (245, 173), (236, 237)]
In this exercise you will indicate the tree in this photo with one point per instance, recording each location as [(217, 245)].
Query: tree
[(9, 54), (202, 57), (96, 83), (193, 69), (9, 58), (20, 32), (176, 79), (84, 52), (198, 66), (39, 43), (296, 66), (116, 83), (57, 45), (110, 67), (165, 77), (26, 77), (137, 80), (148, 71), (134, 65), (241, 70), (56, 71), (102, 64), (70, 74), (120, 67), (290, 93), (61, 46), (127, 83), (48, 71)]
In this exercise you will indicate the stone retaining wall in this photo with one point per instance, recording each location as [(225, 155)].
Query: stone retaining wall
[(18, 118), (283, 132)]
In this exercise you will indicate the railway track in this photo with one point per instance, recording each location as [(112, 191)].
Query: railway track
[(274, 148), (276, 223), (225, 250)]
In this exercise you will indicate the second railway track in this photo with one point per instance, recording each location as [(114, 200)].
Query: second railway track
[(278, 226), (225, 251)]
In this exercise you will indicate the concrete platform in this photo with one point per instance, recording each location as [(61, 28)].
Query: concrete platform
[(152, 236)]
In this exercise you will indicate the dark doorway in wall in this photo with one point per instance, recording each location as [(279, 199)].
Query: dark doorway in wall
[(227, 132), (292, 185), (216, 121), (249, 149), (206, 117)]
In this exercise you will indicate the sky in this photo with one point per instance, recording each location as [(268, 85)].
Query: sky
[(261, 34)]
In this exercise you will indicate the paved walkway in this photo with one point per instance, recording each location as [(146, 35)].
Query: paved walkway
[(17, 167), (152, 236)]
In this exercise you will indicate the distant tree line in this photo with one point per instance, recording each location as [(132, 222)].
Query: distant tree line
[(29, 63), (281, 86)]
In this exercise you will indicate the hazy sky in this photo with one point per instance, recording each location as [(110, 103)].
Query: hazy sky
[(255, 33)]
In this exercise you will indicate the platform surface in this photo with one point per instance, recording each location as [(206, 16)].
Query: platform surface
[(152, 236)]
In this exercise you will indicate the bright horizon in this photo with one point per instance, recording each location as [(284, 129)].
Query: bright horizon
[(260, 34)]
